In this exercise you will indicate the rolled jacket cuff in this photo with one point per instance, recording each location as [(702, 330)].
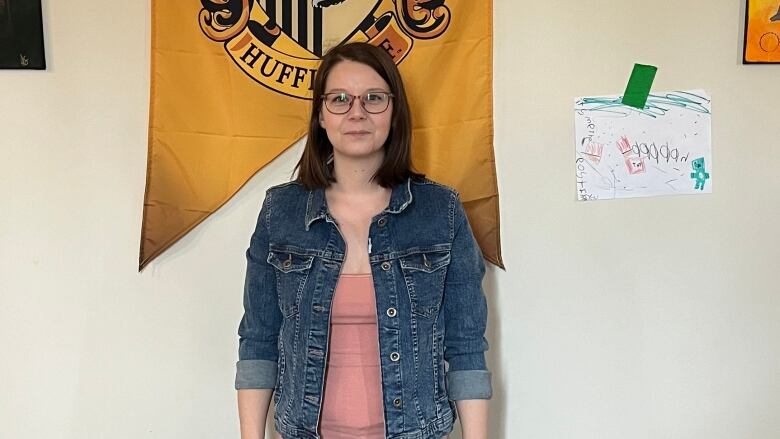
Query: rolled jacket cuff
[(255, 374), (469, 384)]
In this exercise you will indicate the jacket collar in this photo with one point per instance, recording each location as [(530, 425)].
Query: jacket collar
[(317, 206)]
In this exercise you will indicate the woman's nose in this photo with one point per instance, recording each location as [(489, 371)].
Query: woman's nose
[(357, 111)]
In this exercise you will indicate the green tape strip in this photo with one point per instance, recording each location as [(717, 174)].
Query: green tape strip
[(639, 85)]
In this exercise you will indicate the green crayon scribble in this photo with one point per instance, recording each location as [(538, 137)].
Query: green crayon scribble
[(699, 174), (657, 105)]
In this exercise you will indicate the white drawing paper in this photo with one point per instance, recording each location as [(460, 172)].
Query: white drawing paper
[(624, 152)]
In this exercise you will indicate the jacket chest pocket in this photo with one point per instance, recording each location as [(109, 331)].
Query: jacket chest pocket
[(425, 271), (291, 270)]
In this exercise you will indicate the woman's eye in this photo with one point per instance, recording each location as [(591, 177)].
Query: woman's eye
[(340, 98), (374, 97)]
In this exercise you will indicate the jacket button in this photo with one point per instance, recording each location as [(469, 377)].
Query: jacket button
[(395, 356), (397, 402), (391, 312), (385, 265), (381, 222)]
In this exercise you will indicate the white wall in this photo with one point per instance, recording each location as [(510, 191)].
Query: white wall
[(678, 337)]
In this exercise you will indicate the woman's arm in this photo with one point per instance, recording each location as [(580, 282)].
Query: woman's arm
[(465, 312), (258, 353), (473, 415), (252, 412)]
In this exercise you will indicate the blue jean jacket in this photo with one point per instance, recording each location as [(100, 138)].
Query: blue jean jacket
[(431, 311)]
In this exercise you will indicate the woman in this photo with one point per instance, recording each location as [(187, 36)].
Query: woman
[(363, 278)]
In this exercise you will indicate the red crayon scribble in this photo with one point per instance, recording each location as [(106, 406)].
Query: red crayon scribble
[(624, 146), (593, 151), (635, 165)]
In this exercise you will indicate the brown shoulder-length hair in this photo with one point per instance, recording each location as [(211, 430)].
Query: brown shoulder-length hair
[(315, 170)]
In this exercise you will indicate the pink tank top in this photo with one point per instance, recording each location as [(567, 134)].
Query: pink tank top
[(352, 402)]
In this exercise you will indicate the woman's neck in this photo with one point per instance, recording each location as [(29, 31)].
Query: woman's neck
[(354, 176)]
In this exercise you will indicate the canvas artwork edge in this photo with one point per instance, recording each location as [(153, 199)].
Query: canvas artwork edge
[(22, 44), (748, 55)]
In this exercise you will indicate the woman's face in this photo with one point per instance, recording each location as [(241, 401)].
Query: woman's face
[(357, 133)]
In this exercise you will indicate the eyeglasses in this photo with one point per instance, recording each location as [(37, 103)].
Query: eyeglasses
[(373, 102)]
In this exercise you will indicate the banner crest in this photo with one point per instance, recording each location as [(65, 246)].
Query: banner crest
[(279, 43)]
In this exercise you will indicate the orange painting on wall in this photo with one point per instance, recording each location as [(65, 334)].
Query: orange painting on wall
[(762, 32)]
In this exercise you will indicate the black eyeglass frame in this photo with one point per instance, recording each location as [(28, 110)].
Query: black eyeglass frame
[(352, 101)]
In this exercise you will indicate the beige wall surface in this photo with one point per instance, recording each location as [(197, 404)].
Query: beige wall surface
[(643, 318)]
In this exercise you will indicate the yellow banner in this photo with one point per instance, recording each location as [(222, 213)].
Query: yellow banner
[(231, 81)]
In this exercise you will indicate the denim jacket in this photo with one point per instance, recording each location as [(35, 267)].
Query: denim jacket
[(431, 311)]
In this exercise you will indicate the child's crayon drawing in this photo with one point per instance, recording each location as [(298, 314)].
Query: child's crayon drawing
[(625, 152)]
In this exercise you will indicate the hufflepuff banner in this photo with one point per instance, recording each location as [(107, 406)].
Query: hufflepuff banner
[(231, 84)]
